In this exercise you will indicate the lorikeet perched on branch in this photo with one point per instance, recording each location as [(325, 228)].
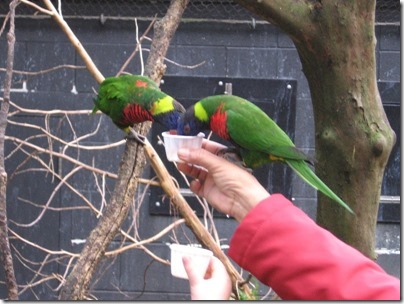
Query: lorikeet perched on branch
[(132, 99), (257, 137)]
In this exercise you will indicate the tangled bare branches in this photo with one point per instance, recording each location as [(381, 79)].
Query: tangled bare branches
[(46, 150)]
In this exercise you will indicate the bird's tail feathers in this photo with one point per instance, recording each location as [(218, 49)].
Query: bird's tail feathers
[(303, 170)]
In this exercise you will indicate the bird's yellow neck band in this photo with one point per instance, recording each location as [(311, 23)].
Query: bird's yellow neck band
[(200, 112), (162, 105)]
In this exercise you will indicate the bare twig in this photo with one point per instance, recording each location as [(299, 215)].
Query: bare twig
[(137, 46), (5, 21), (140, 49), (37, 7), (63, 156), (72, 144), (194, 66), (75, 161), (56, 209), (92, 68), (59, 67), (51, 198), (137, 244), (50, 112), (53, 252)]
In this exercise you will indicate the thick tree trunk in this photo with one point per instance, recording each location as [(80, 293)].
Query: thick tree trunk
[(353, 136), (336, 44)]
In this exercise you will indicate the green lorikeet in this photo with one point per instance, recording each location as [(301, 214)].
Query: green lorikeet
[(257, 137), (132, 99)]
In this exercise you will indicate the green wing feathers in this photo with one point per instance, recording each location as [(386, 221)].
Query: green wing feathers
[(304, 171)]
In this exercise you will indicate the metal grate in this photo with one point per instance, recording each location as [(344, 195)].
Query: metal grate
[(387, 11)]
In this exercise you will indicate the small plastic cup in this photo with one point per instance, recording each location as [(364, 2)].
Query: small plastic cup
[(203, 257), (173, 143)]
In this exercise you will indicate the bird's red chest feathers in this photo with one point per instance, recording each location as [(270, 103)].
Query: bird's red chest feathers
[(218, 123), (133, 113)]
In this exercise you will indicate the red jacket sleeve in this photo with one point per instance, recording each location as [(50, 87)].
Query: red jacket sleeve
[(286, 250)]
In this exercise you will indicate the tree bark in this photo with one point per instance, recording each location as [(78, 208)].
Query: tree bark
[(132, 164), (6, 257), (336, 44), (353, 136)]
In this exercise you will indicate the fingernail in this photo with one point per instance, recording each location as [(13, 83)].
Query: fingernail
[(183, 154)]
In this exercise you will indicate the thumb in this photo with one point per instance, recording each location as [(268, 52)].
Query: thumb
[(193, 276), (200, 157)]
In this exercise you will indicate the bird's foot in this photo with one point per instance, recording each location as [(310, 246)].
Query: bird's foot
[(133, 135), (232, 155)]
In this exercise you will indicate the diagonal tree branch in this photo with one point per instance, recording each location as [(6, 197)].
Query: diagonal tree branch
[(191, 220), (76, 42), (132, 164)]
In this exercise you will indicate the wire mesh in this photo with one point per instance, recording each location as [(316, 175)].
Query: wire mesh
[(387, 11)]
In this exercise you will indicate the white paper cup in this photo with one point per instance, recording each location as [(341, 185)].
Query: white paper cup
[(203, 257), (173, 143)]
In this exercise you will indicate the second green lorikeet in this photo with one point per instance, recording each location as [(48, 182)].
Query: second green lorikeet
[(132, 99), (257, 137)]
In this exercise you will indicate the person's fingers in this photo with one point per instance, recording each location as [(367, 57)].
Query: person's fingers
[(218, 270), (184, 167), (211, 268), (190, 267), (196, 187), (193, 171), (200, 157), (217, 267)]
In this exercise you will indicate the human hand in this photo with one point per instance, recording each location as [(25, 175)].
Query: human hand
[(227, 187), (215, 284)]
